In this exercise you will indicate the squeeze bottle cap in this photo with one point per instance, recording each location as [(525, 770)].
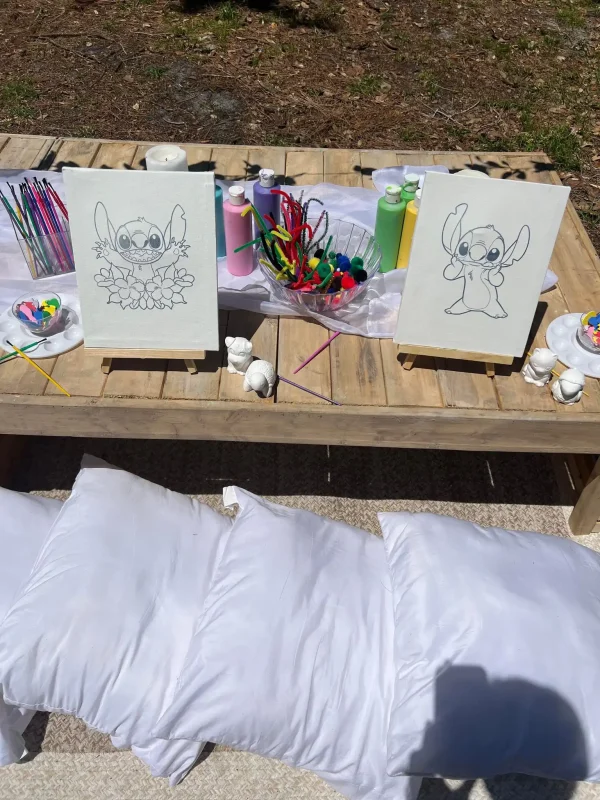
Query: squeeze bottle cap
[(237, 195), (412, 177), (392, 193), (267, 177), (417, 200)]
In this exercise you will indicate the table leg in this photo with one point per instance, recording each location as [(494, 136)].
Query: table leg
[(586, 513)]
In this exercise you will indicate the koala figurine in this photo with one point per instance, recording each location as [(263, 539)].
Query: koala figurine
[(260, 376), (539, 367), (239, 354)]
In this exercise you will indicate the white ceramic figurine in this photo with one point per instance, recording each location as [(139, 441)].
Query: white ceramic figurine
[(569, 387), (539, 367), (239, 354), (260, 376)]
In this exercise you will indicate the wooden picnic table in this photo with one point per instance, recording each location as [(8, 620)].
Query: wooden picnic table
[(437, 404)]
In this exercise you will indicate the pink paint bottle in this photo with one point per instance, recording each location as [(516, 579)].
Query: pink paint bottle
[(238, 231)]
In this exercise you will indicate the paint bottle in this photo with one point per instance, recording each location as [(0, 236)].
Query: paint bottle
[(238, 231), (265, 201), (388, 226), (408, 229), (221, 251), (410, 186)]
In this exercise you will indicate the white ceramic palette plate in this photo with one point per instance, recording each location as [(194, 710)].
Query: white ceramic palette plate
[(561, 339), (62, 342)]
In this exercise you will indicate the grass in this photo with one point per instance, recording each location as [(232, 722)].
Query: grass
[(367, 86), (321, 14), (558, 141), (551, 41), (573, 17), (15, 97), (499, 49), (227, 20), (430, 83), (155, 72)]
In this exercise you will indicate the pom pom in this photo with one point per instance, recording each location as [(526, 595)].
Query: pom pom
[(348, 281), (344, 263), (319, 253), (360, 275), (357, 262)]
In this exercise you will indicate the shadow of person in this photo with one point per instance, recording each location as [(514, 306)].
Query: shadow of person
[(486, 728)]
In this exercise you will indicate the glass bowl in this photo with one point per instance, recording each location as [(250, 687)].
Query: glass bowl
[(588, 333), (45, 326), (350, 240)]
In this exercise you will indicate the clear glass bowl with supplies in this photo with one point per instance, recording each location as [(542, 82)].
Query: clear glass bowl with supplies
[(347, 239)]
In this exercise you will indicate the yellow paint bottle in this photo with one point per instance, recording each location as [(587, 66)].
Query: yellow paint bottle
[(410, 220)]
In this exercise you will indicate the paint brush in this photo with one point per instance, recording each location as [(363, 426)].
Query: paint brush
[(316, 353), (304, 389), (14, 354), (39, 369)]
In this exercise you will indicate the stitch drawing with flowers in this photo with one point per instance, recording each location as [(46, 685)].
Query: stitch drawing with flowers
[(143, 269)]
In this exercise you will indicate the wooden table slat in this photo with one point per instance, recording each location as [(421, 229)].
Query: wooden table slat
[(304, 167), (135, 377), (204, 385), (298, 339), (72, 153), (266, 158), (24, 152), (341, 162), (230, 164)]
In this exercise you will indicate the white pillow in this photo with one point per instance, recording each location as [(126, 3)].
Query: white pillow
[(103, 625), (24, 523), (292, 657), (497, 651)]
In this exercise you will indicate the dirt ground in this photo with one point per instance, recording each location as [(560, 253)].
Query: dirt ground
[(406, 74)]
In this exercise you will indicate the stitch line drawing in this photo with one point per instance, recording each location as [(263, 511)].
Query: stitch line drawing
[(142, 258), (478, 257)]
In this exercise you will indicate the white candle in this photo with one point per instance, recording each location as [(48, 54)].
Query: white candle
[(166, 158)]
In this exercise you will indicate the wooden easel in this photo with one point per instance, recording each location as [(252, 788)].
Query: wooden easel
[(188, 356), (490, 360)]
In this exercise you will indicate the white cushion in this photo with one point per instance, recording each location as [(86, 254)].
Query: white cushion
[(292, 657), (24, 523), (497, 651), (103, 624)]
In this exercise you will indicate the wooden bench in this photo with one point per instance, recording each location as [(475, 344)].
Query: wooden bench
[(437, 404)]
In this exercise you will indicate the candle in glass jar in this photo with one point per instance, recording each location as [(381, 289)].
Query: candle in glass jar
[(166, 158)]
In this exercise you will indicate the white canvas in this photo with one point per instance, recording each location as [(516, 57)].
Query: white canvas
[(479, 255), (145, 256)]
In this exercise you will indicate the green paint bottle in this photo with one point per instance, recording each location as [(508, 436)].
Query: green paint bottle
[(388, 226), (410, 186)]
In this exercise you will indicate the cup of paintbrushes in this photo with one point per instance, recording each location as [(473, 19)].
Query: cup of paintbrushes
[(48, 254)]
